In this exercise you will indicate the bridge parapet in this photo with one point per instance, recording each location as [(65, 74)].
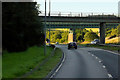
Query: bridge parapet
[(81, 14), (89, 19)]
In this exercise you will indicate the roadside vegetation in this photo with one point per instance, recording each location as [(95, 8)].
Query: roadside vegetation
[(58, 36), (23, 40), (113, 35), (44, 70), (22, 27), (61, 36), (84, 36), (16, 64)]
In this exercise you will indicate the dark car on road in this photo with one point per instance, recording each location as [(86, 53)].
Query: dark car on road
[(72, 45)]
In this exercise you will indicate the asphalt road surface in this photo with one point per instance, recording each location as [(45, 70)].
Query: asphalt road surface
[(87, 62)]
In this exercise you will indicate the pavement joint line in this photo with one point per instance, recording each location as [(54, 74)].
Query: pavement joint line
[(111, 52), (110, 76)]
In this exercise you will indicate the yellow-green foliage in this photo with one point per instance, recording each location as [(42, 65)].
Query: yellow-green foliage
[(93, 29), (113, 40)]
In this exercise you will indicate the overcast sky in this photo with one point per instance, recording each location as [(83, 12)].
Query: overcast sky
[(107, 6)]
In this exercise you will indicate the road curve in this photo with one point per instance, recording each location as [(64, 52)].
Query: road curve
[(81, 63)]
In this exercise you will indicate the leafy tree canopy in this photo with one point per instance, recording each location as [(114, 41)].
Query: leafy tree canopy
[(90, 36), (21, 26)]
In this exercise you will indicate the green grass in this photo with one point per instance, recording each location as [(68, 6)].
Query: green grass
[(16, 64), (0, 66), (105, 47), (48, 66)]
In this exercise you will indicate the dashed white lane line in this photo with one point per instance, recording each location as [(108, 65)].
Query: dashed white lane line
[(103, 66), (92, 55), (96, 57), (110, 76), (100, 61)]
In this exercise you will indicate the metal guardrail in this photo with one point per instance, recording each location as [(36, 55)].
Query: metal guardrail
[(80, 14)]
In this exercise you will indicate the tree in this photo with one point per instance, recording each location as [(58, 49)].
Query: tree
[(58, 36), (118, 30), (80, 34), (64, 36), (114, 32), (21, 26), (108, 32), (90, 36)]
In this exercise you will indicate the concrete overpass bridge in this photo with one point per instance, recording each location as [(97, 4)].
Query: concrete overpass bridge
[(91, 21)]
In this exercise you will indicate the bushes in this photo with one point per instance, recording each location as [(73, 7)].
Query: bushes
[(90, 36)]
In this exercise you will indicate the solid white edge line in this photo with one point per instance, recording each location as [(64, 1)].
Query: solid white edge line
[(59, 66), (51, 77)]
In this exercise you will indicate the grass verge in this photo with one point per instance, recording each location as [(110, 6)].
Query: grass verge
[(16, 64), (43, 71), (0, 65)]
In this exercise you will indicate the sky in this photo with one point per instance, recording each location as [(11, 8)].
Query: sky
[(85, 6)]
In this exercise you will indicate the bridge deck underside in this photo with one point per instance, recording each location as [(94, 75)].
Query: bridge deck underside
[(80, 22), (82, 19), (79, 25)]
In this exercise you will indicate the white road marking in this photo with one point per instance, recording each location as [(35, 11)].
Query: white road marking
[(51, 77), (104, 66), (88, 53), (58, 67), (96, 57), (100, 61), (92, 55), (110, 76)]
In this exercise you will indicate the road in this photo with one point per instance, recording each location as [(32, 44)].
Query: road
[(88, 63)]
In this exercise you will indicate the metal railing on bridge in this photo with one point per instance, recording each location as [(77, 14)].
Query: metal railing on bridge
[(81, 14)]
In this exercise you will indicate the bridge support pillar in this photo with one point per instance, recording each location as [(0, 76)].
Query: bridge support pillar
[(70, 36), (102, 33), (74, 36)]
